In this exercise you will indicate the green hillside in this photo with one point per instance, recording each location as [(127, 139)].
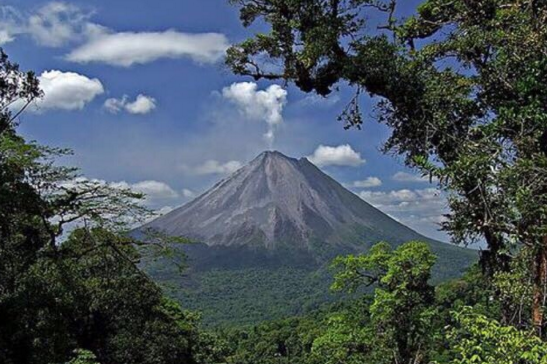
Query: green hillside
[(235, 287)]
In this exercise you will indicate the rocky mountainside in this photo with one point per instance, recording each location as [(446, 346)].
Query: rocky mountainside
[(265, 236), (280, 201)]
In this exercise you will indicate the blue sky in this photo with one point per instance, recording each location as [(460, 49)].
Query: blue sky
[(138, 90)]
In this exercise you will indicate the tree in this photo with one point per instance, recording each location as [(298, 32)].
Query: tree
[(85, 292), (402, 309), (83, 357), (477, 339), (462, 84)]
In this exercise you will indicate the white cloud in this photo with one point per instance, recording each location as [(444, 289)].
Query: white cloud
[(59, 23), (366, 183), (142, 105), (342, 155), (11, 24), (53, 25), (404, 196), (5, 37), (128, 48), (412, 178), (64, 91), (188, 193), (154, 190), (215, 167), (264, 105), (156, 193), (421, 209)]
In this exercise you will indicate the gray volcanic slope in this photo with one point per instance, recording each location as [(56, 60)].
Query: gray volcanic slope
[(279, 201), (266, 235)]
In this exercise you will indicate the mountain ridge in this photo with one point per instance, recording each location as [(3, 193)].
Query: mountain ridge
[(264, 237), (277, 199)]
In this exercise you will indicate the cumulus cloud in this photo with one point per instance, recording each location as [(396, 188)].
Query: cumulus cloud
[(342, 155), (53, 25), (366, 183), (156, 193), (64, 91), (128, 48), (141, 105), (59, 23), (215, 167), (398, 197), (188, 193), (412, 178), (154, 190), (421, 209), (264, 105)]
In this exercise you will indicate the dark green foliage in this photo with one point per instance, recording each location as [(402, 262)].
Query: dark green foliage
[(79, 300), (249, 296), (403, 322), (476, 338), (462, 86), (392, 327), (87, 297), (241, 287)]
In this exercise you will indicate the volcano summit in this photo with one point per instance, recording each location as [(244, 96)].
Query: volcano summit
[(280, 212)]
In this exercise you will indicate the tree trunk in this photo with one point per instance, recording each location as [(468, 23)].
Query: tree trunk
[(540, 283)]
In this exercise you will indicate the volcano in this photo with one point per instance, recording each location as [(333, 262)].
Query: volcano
[(279, 212)]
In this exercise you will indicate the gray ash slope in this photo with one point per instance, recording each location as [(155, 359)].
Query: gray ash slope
[(277, 203), (267, 234)]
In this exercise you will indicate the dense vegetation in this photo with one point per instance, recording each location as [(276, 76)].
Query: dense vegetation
[(235, 288), (243, 297), (463, 87), (80, 298), (405, 321)]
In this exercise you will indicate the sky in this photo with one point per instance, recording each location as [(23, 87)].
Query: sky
[(139, 92)]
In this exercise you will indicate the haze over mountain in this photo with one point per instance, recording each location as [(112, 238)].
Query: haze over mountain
[(270, 229)]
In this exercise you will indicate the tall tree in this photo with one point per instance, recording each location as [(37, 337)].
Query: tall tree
[(402, 309), (83, 292), (462, 84)]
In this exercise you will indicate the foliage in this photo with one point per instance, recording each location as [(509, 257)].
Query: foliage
[(91, 298), (514, 288), (348, 333), (478, 339), (247, 287), (365, 330), (85, 292), (462, 86), (83, 357), (241, 297), (401, 312), (347, 338)]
